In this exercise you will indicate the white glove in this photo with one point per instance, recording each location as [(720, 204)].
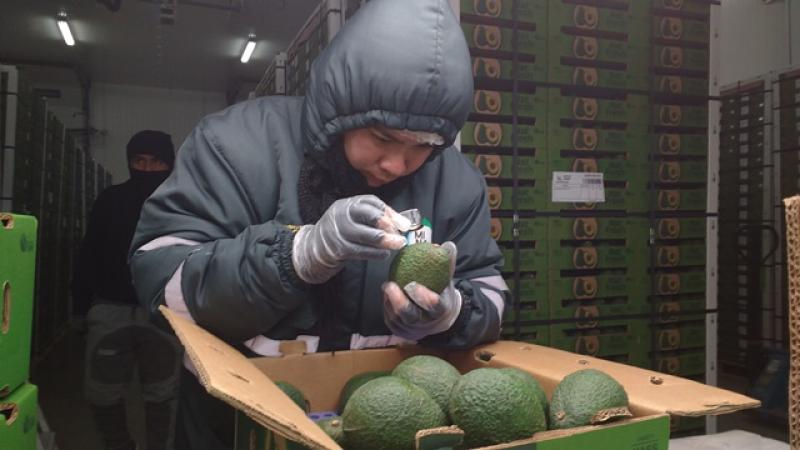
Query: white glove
[(415, 311), (360, 227)]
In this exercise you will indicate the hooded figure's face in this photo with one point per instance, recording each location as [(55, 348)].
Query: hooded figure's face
[(383, 155), (144, 162)]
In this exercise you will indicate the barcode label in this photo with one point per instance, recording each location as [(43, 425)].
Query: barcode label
[(581, 187)]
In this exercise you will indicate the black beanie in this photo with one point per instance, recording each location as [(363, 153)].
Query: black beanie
[(152, 142)]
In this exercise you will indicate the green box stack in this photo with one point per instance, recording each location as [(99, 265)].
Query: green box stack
[(19, 430)]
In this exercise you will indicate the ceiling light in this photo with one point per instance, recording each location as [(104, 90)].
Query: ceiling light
[(63, 27), (248, 48)]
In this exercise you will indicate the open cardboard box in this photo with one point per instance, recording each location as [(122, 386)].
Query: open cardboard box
[(246, 385)]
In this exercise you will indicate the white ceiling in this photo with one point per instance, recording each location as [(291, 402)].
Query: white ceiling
[(200, 51)]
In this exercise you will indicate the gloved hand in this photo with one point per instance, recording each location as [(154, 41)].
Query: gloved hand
[(360, 227), (415, 311)]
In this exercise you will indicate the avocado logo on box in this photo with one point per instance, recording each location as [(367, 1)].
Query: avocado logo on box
[(670, 115), (584, 206), (671, 27), (585, 76), (673, 4), (670, 365), (587, 345), (584, 165), (669, 283), (586, 317), (584, 288), (487, 102), (584, 108), (495, 228), (488, 134), (489, 165), (486, 67), (584, 139), (669, 200), (495, 196), (669, 171), (584, 228), (668, 256), (585, 17), (491, 8), (584, 258), (672, 57), (668, 312), (669, 144), (669, 339), (669, 228), (487, 37), (671, 84), (585, 47)]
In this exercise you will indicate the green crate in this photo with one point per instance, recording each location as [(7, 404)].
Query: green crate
[(694, 7), (486, 134), (528, 229), (634, 139), (500, 166), (681, 29), (680, 255), (681, 335), (681, 364), (678, 228), (671, 57), (614, 169), (681, 115), (527, 11), (597, 77), (532, 103), (529, 198), (502, 69), (532, 334), (590, 257), (494, 38), (17, 277), (681, 171), (531, 258), (681, 144), (681, 200), (633, 108), (673, 84), (604, 338), (19, 430), (587, 48), (591, 228), (564, 18)]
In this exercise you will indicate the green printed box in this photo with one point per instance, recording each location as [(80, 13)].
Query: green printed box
[(528, 311), (597, 77), (681, 200), (596, 256), (681, 144), (682, 335), (532, 287), (500, 166), (678, 228), (673, 84), (19, 419), (681, 283), (528, 229), (589, 311), (614, 169), (500, 198), (565, 17), (605, 338), (616, 199), (588, 287), (694, 7), (531, 103), (494, 38), (680, 29), (530, 11), (531, 334), (670, 57), (680, 115), (591, 228), (633, 139), (589, 48), (531, 259), (633, 108), (681, 171), (503, 69), (680, 255), (668, 309), (486, 134), (681, 364)]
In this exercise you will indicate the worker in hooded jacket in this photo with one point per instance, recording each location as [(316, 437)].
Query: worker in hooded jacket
[(279, 220)]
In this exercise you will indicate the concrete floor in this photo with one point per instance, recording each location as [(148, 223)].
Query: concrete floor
[(59, 377)]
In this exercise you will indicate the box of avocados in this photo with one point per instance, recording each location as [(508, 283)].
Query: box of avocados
[(681, 144), (532, 257), (672, 57), (489, 134), (681, 29), (600, 256), (680, 115), (681, 199), (247, 385), (494, 166), (528, 197), (487, 68), (631, 108), (565, 48), (530, 103), (616, 168), (607, 294), (681, 171), (529, 11), (493, 38), (693, 8), (528, 229), (685, 282), (593, 228), (677, 85), (579, 75), (680, 255), (633, 139), (566, 17)]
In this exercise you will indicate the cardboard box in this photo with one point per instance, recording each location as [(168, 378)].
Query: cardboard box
[(17, 278), (529, 11), (671, 57), (578, 75), (682, 364), (681, 171), (681, 115), (246, 385), (632, 199), (530, 103), (681, 200), (487, 134), (681, 144), (532, 258), (592, 228), (634, 139), (494, 166), (18, 419), (493, 38), (602, 256), (681, 335), (694, 8), (680, 255), (681, 29), (677, 85), (499, 68), (528, 198), (630, 109), (681, 282), (669, 309), (617, 168), (569, 18), (502, 229), (533, 288), (597, 296), (589, 48), (625, 340)]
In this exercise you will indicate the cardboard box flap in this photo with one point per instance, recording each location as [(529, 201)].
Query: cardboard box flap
[(229, 376), (649, 392)]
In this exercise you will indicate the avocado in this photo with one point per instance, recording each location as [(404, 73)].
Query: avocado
[(332, 426), (493, 406), (356, 382), (386, 413), (295, 394), (427, 264), (587, 397), (435, 376), (534, 384)]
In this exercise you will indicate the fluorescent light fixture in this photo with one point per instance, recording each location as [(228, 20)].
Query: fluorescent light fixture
[(248, 48), (63, 27)]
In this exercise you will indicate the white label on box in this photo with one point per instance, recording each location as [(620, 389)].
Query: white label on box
[(582, 187)]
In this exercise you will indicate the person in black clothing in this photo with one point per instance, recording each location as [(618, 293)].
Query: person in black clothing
[(120, 337)]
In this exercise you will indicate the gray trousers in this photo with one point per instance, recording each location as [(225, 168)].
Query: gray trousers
[(120, 342)]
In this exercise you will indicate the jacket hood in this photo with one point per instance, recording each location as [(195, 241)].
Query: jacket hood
[(403, 64)]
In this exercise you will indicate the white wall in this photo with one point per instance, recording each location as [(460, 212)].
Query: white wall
[(756, 38), (119, 111)]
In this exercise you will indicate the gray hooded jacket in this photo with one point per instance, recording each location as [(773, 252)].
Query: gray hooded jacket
[(214, 235)]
